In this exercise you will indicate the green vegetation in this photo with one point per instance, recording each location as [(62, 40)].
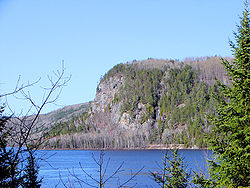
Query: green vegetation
[(230, 139), (177, 95), (8, 165), (176, 101), (61, 114), (31, 173), (171, 97), (186, 102), (120, 68), (141, 86), (63, 128), (174, 172), (15, 170)]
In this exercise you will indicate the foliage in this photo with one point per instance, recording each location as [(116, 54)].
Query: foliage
[(231, 134), (59, 115), (31, 173), (8, 163), (186, 101), (141, 86), (120, 68), (174, 172), (179, 96)]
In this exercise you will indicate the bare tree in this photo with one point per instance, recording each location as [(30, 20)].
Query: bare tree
[(103, 177), (17, 133)]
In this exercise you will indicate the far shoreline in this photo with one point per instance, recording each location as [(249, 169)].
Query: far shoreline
[(150, 147)]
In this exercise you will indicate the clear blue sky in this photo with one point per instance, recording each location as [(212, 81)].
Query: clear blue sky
[(92, 36)]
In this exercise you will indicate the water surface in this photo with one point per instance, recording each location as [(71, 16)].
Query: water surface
[(59, 169)]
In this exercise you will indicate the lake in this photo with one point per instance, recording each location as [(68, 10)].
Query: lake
[(61, 168)]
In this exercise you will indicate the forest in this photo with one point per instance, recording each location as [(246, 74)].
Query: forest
[(158, 102)]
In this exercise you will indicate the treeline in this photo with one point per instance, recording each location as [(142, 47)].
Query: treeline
[(77, 133), (94, 140)]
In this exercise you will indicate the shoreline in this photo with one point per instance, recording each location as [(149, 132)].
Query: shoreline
[(150, 147)]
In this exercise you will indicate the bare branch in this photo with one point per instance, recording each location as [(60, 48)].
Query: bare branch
[(20, 129), (80, 180), (62, 180), (19, 88), (107, 164), (132, 177), (102, 180), (87, 173), (59, 82), (117, 171)]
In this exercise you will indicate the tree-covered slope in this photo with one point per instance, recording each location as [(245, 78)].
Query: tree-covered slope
[(144, 103)]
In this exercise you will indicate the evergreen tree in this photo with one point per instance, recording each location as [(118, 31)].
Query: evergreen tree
[(13, 170), (31, 173), (174, 172), (9, 173), (4, 155), (231, 134)]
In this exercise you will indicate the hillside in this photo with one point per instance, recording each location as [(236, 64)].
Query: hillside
[(143, 103), (45, 121)]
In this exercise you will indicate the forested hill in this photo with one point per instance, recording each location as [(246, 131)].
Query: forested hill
[(143, 103)]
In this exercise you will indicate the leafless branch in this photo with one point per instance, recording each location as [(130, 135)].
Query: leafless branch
[(102, 169), (62, 180), (59, 82), (132, 177), (80, 180), (19, 88), (20, 127), (114, 173), (88, 174)]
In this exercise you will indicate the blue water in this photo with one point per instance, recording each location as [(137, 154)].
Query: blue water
[(63, 166)]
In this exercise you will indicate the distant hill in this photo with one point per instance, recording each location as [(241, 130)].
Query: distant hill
[(62, 115), (140, 104)]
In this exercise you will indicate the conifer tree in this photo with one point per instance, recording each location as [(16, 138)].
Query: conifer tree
[(9, 173), (174, 172), (31, 173), (231, 134)]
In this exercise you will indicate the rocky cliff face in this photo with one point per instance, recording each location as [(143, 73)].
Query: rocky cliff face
[(106, 107), (104, 100), (109, 112)]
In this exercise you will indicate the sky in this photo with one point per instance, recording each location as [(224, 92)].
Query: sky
[(92, 36)]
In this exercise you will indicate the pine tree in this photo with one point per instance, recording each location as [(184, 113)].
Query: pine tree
[(174, 172), (31, 173), (12, 173), (4, 155), (231, 134), (9, 173)]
